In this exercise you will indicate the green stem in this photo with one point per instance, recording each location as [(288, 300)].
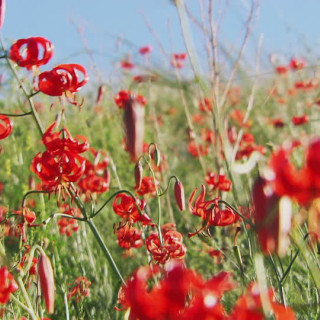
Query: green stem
[(105, 250), (24, 307), (16, 115), (26, 298), (158, 200), (31, 192), (283, 278)]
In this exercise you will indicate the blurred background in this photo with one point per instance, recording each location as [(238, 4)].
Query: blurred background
[(104, 32)]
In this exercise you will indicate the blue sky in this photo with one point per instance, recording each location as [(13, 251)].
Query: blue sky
[(113, 28)]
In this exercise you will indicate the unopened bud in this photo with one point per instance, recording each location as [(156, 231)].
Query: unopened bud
[(157, 156), (46, 277), (179, 195), (138, 174)]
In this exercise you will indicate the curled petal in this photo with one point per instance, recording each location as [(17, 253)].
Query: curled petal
[(5, 127), (33, 51)]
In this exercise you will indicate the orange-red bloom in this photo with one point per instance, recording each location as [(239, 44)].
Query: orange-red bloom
[(61, 162), (30, 52), (178, 59), (126, 207), (145, 50), (301, 184), (218, 181), (5, 127), (80, 289), (172, 248), (129, 237), (297, 63), (297, 121), (249, 306), (147, 186), (181, 294), (62, 79), (7, 285)]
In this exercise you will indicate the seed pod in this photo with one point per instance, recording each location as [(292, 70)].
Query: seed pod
[(157, 156), (46, 281), (179, 195), (138, 174), (134, 127)]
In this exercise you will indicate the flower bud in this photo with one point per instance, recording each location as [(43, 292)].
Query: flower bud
[(179, 195), (46, 278), (138, 174), (157, 156), (100, 95), (134, 127)]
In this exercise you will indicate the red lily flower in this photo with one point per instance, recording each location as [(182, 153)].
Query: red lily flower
[(57, 169), (197, 149), (123, 96), (62, 79), (297, 63), (129, 237), (61, 163), (178, 59), (299, 184), (282, 70), (249, 306), (205, 105), (126, 64), (34, 51), (62, 141), (7, 285), (126, 207), (5, 127), (215, 181), (181, 294), (68, 226), (297, 121), (96, 177), (209, 211), (147, 186), (172, 247), (80, 289), (145, 50)]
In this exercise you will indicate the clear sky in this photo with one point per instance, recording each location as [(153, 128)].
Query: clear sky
[(113, 28)]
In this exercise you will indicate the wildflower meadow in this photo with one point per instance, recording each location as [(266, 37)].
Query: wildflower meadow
[(174, 194)]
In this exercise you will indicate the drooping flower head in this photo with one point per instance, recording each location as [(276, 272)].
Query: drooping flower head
[(31, 52), (61, 163), (182, 294), (62, 79), (209, 211), (5, 127), (7, 285)]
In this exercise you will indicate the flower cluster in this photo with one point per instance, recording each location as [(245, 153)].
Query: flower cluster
[(172, 247), (96, 178), (64, 79), (61, 163), (286, 179), (209, 211), (80, 289), (218, 181), (182, 294), (7, 285)]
